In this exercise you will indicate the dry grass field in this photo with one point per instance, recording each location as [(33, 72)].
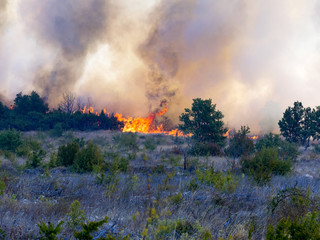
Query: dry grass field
[(154, 192)]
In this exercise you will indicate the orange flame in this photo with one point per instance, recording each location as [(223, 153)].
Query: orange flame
[(141, 124), (227, 134), (145, 124)]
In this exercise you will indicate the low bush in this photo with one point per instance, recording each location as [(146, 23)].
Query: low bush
[(27, 146), (50, 231), (87, 158), (127, 140), (205, 149), (10, 140), (265, 164), (219, 180), (286, 150), (67, 154), (35, 159), (76, 216), (150, 143), (240, 144), (294, 215)]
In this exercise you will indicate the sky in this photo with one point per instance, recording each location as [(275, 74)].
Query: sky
[(253, 58)]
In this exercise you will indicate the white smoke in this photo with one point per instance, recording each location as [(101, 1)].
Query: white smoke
[(253, 58)]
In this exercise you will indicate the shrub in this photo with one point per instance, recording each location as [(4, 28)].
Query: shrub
[(294, 215), (87, 229), (264, 165), (35, 159), (127, 140), (67, 154), (217, 179), (205, 149), (10, 140), (87, 158), (306, 227), (240, 144), (76, 215), (286, 150), (116, 162), (150, 143), (49, 232), (176, 199), (193, 185), (57, 130), (28, 145)]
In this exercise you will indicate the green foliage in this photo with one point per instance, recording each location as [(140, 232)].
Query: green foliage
[(3, 185), (240, 144), (28, 145), (10, 140), (176, 229), (265, 164), (24, 104), (111, 182), (53, 160), (35, 159), (67, 154), (49, 232), (294, 215), (176, 199), (298, 124), (204, 122), (286, 149), (76, 215), (217, 179), (87, 158), (57, 130), (127, 140), (88, 229), (306, 227), (150, 143), (205, 149), (2, 234), (116, 162), (193, 185)]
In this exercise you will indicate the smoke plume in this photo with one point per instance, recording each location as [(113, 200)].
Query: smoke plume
[(253, 58)]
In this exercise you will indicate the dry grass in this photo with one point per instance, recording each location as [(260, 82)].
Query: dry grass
[(33, 196)]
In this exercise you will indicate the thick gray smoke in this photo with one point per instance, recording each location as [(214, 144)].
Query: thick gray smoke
[(252, 57), (73, 29)]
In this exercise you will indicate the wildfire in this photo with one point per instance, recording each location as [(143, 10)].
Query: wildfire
[(145, 124), (229, 134)]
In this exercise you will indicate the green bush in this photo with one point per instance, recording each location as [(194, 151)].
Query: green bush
[(87, 158), (306, 227), (35, 159), (116, 162), (28, 145), (88, 229), (10, 140), (219, 180), (294, 215), (49, 232), (286, 150), (176, 199), (240, 144), (205, 149), (264, 165), (76, 215), (127, 140), (67, 154), (150, 143)]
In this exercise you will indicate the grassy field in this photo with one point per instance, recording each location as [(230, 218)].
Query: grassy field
[(145, 189)]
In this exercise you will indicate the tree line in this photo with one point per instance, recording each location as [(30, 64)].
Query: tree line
[(31, 112)]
